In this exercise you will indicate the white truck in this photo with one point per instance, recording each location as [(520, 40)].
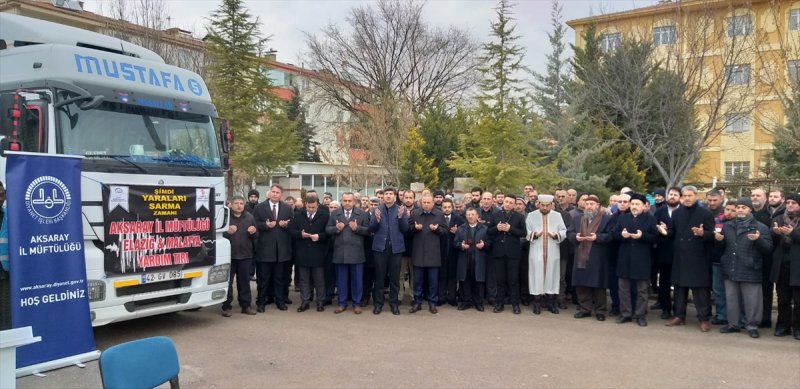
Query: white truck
[(152, 173)]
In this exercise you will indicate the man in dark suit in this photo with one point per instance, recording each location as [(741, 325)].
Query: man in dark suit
[(472, 243), (274, 248), (447, 273), (506, 253), (488, 215), (308, 230), (664, 252), (349, 225), (427, 224)]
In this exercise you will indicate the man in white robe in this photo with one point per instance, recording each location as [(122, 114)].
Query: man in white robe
[(546, 229)]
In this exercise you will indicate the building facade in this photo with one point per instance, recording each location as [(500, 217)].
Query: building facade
[(743, 55)]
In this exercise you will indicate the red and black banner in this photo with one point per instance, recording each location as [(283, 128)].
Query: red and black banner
[(157, 228)]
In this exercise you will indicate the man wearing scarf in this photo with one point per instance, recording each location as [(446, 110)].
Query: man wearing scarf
[(693, 229), (747, 241), (786, 267), (591, 233), (546, 229)]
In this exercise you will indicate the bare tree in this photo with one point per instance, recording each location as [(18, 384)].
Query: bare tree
[(387, 49)]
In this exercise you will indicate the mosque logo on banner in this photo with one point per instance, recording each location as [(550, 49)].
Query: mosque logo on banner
[(47, 200)]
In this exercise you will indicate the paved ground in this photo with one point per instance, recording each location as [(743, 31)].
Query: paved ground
[(451, 349)]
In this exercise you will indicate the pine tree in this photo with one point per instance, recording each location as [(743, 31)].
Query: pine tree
[(416, 166), (550, 88), (242, 92), (439, 129), (786, 143), (305, 131)]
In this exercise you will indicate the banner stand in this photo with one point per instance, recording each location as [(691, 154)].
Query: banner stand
[(58, 363)]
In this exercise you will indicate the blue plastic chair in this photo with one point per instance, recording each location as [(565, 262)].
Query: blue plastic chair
[(144, 363)]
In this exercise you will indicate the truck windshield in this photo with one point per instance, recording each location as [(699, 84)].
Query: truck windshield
[(139, 135)]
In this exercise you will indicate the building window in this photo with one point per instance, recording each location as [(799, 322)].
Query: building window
[(794, 19), (737, 74), (664, 35), (610, 42), (740, 26), (794, 71), (305, 83), (737, 170), (736, 123)]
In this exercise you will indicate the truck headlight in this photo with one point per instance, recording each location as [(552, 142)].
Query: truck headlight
[(97, 290), (219, 274)]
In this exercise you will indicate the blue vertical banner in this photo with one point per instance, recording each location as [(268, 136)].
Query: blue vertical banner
[(48, 269)]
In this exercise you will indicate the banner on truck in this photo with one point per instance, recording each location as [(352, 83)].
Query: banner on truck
[(157, 229), (47, 264)]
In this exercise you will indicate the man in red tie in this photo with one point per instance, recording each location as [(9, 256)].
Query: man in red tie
[(274, 248)]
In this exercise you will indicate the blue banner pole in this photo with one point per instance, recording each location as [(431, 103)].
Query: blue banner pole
[(47, 264)]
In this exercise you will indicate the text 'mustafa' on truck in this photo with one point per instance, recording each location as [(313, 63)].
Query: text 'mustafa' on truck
[(152, 183)]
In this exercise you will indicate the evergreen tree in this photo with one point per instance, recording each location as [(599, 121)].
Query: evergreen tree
[(496, 150), (439, 129), (416, 166), (786, 143), (550, 88), (242, 92), (305, 131)]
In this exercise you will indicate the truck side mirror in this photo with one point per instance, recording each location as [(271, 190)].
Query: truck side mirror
[(226, 135), (226, 162)]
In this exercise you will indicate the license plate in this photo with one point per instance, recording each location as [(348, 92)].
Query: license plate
[(162, 276)]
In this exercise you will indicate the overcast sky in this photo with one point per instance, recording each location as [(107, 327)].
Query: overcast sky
[(287, 21)]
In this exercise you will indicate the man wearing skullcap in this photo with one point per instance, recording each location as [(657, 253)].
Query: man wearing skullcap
[(546, 229)]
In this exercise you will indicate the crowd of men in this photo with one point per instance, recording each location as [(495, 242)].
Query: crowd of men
[(538, 250)]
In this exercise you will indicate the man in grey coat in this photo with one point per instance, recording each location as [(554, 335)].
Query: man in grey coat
[(348, 227), (747, 241)]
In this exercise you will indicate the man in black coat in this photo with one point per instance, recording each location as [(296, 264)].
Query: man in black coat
[(427, 224), (488, 215), (786, 267), (241, 233), (274, 248), (447, 273), (311, 246), (472, 243), (664, 253), (636, 233), (693, 228), (506, 253), (591, 233)]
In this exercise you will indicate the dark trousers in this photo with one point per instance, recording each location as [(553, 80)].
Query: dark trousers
[(642, 289), (447, 279), (308, 278), (491, 285), (330, 278), (432, 274), (591, 299), (386, 261), (369, 280), (275, 271), (240, 269), (767, 288), (613, 284), (506, 274), (471, 290), (350, 278), (524, 288), (702, 302), (788, 317), (664, 286)]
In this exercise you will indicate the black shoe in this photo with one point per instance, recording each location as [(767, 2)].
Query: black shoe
[(552, 308), (781, 331), (516, 309), (261, 308), (226, 312), (666, 315), (395, 310), (613, 312), (453, 303), (624, 319), (440, 303), (490, 301), (327, 302), (562, 305), (728, 330), (288, 302), (377, 310), (655, 306), (479, 307), (718, 322), (498, 308), (415, 308), (765, 324), (641, 321), (537, 309), (582, 314), (463, 306), (270, 300), (600, 317), (281, 306), (364, 303), (753, 333)]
